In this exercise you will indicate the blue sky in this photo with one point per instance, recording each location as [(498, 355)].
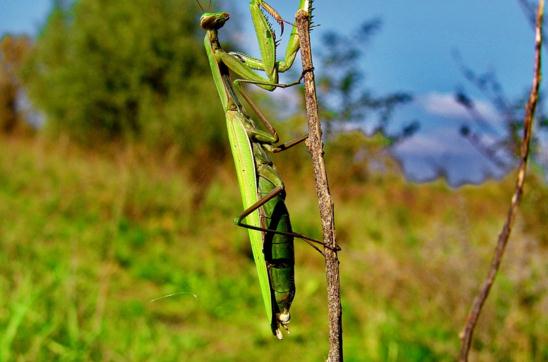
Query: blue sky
[(22, 16), (414, 49), (412, 52)]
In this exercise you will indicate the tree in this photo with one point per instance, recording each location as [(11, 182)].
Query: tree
[(126, 70), (499, 143), (355, 118), (346, 102)]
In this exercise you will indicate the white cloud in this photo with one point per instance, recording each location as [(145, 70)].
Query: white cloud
[(434, 142), (445, 105), (426, 152)]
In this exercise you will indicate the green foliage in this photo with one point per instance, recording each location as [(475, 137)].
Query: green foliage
[(86, 255), (131, 69)]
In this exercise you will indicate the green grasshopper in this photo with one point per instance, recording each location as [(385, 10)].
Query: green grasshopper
[(262, 190)]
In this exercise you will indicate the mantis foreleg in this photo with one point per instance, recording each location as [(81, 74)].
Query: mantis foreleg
[(245, 65)]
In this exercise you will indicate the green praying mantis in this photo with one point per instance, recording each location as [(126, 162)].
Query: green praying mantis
[(263, 192)]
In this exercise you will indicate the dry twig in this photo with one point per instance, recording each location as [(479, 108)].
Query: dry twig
[(315, 147), (466, 336)]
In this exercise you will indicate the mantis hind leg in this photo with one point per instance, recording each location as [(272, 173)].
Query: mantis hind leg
[(275, 192), (289, 144)]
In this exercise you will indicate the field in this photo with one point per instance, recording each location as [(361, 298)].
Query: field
[(125, 255)]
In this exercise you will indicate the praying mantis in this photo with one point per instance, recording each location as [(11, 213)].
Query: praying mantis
[(263, 192)]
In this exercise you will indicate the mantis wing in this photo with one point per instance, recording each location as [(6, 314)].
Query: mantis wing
[(247, 179)]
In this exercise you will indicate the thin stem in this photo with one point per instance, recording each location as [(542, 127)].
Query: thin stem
[(479, 301), (315, 147)]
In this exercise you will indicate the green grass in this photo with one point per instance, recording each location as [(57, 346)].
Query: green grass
[(90, 240)]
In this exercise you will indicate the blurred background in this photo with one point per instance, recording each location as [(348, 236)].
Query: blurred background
[(117, 189)]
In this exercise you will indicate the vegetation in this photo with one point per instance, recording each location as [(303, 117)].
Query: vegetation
[(124, 249), (125, 69), (85, 255)]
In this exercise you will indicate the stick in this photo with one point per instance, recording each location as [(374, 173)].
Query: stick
[(466, 335), (315, 147)]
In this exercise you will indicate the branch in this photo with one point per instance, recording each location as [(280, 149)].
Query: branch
[(529, 12), (466, 335), (315, 147), (489, 152)]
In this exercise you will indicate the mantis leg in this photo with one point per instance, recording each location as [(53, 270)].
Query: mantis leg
[(267, 40), (267, 123), (289, 144), (245, 65), (269, 9), (275, 192), (262, 83)]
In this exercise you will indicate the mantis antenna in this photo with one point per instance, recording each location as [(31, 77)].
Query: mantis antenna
[(201, 7)]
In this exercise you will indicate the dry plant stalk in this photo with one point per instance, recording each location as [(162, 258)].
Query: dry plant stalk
[(315, 147), (479, 301)]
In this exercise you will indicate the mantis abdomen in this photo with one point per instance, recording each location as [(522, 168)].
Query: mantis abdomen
[(278, 250)]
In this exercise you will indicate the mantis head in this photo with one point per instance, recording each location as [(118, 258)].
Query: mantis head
[(214, 21)]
